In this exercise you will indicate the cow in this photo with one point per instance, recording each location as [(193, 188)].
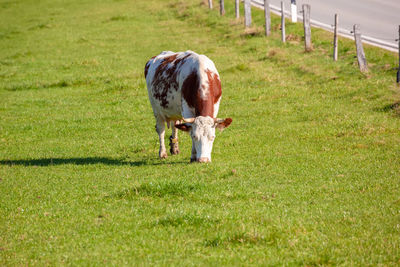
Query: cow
[(185, 91)]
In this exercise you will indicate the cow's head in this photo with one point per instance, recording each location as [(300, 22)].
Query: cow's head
[(202, 131)]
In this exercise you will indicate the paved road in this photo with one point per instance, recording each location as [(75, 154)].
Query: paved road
[(379, 19)]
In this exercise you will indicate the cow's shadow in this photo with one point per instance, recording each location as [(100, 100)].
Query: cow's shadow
[(85, 161)]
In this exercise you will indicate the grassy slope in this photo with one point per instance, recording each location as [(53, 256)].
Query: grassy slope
[(307, 174)]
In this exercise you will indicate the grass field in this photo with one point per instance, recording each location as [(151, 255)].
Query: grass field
[(307, 174)]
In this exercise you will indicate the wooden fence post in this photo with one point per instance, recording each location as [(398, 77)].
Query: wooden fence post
[(307, 28), (335, 38), (283, 21), (267, 15), (398, 71), (247, 13), (362, 62), (293, 9), (221, 7), (210, 4), (237, 9)]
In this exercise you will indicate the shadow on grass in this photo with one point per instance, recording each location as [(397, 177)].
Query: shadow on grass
[(83, 161), (395, 107)]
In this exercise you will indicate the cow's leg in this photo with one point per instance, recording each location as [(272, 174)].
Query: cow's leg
[(193, 156), (160, 128), (173, 141)]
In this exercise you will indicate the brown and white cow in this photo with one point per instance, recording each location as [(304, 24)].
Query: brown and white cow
[(185, 86)]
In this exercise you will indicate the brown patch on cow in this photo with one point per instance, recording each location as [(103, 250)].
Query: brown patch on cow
[(165, 79), (214, 86), (191, 91)]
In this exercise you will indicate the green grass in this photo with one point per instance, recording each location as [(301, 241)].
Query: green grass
[(307, 174)]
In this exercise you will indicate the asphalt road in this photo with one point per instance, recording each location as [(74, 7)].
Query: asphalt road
[(379, 19)]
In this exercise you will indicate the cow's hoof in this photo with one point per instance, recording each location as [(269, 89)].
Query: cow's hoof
[(163, 155), (193, 160), (174, 151)]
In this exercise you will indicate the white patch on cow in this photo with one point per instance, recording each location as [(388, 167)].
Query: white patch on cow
[(204, 83), (216, 107)]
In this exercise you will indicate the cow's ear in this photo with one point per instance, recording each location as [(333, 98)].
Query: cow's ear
[(221, 124), (184, 126)]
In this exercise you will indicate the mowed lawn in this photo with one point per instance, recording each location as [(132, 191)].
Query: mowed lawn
[(307, 174)]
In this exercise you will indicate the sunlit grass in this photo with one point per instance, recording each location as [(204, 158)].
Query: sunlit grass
[(307, 174)]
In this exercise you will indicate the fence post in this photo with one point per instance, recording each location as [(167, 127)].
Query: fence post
[(221, 7), (247, 13), (398, 71), (335, 38), (307, 28), (283, 21), (237, 9), (362, 62), (210, 4), (267, 15), (293, 8)]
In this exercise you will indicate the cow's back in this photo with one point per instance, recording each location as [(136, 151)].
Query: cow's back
[(182, 84)]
